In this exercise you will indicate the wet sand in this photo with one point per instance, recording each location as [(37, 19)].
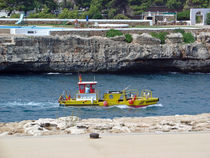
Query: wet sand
[(182, 145)]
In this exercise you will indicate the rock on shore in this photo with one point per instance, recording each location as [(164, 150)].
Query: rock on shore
[(101, 54), (75, 125)]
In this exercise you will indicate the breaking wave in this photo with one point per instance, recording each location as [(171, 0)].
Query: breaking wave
[(53, 73), (29, 104), (128, 107)]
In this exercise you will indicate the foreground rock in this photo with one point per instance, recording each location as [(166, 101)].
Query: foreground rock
[(75, 125), (101, 54)]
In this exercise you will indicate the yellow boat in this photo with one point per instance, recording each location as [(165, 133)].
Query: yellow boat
[(88, 96)]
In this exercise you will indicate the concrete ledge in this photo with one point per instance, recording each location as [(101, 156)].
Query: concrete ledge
[(4, 31), (91, 21)]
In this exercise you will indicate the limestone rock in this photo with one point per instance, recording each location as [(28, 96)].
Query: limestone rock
[(196, 51), (74, 125), (118, 38), (75, 130), (145, 39), (203, 37), (33, 129), (173, 38), (120, 129), (66, 122), (100, 54)]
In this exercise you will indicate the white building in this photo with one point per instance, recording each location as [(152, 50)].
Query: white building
[(201, 12)]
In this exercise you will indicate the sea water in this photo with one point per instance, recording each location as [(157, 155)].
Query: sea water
[(29, 96)]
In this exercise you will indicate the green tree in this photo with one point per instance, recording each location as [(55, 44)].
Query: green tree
[(197, 4), (69, 14), (95, 9), (111, 13), (120, 16), (45, 13), (139, 6), (8, 5), (184, 15), (158, 2), (68, 5), (25, 5), (173, 4), (39, 4), (83, 3), (119, 5)]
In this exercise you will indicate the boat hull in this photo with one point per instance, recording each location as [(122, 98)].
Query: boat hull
[(134, 103)]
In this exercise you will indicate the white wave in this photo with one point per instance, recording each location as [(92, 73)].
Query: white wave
[(53, 73), (155, 105), (129, 107), (120, 106), (57, 73), (199, 73), (173, 73), (37, 104)]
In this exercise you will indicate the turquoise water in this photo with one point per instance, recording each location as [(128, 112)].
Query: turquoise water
[(24, 97), (28, 27)]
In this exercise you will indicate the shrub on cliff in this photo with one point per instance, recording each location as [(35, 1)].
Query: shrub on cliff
[(179, 31), (160, 35), (208, 19), (15, 16), (128, 38), (113, 33), (187, 36)]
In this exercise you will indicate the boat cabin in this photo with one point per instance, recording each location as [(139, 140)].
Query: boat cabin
[(87, 87), (86, 91)]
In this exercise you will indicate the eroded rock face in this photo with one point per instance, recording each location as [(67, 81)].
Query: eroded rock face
[(203, 37), (145, 39), (174, 38), (118, 38), (75, 125), (100, 54)]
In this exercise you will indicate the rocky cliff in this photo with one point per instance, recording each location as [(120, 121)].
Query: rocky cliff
[(100, 54)]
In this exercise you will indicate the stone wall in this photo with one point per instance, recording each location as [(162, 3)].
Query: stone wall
[(71, 22), (103, 32), (100, 54)]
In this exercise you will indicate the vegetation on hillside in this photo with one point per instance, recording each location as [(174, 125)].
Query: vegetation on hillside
[(113, 33), (26, 5), (187, 36), (97, 9), (160, 35)]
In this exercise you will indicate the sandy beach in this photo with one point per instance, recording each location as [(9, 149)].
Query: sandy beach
[(183, 136), (182, 145)]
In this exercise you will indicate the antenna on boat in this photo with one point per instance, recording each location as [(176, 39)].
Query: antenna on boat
[(126, 87)]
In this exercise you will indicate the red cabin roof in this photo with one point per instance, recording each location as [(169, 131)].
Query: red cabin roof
[(87, 83)]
